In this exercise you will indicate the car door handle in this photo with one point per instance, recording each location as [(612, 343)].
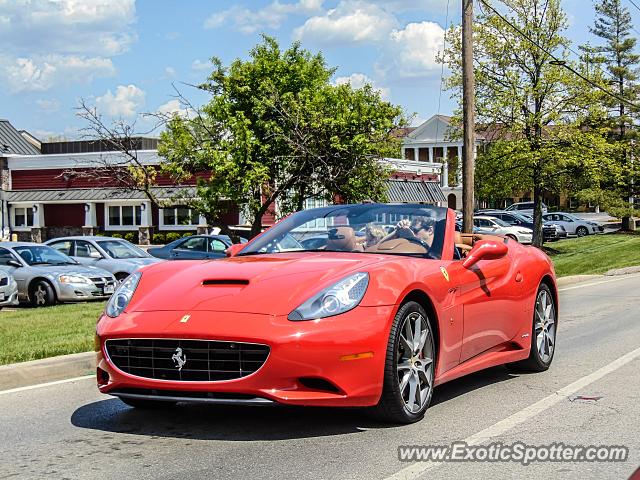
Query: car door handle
[(519, 277)]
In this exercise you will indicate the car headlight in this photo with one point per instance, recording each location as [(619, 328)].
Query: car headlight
[(122, 296), (73, 279), (334, 300)]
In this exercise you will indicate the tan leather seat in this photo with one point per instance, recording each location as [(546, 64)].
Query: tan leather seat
[(397, 245), (343, 239)]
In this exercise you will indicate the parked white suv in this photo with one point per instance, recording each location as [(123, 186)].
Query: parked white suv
[(524, 207)]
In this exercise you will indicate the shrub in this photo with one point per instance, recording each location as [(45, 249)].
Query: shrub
[(158, 239), (131, 237), (171, 236), (116, 235), (187, 234)]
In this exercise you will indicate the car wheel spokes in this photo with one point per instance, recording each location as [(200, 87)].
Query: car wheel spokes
[(415, 362), (545, 326)]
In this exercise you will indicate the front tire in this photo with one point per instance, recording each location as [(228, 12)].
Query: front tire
[(409, 367), (582, 231), (41, 294), (543, 333)]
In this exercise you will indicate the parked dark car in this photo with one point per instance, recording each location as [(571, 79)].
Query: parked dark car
[(195, 247), (551, 231)]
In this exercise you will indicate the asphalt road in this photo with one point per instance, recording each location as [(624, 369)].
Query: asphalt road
[(70, 431)]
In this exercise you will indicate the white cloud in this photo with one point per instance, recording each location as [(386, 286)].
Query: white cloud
[(359, 80), (413, 49), (170, 72), (125, 102), (272, 16), (173, 107), (40, 73), (95, 27), (47, 42), (352, 21)]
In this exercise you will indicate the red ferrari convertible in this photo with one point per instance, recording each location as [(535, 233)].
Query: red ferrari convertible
[(367, 305)]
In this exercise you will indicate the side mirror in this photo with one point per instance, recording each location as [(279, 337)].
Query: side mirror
[(485, 250), (234, 249), (94, 254), (14, 263)]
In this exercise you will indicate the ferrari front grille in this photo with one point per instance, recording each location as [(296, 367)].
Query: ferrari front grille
[(186, 360)]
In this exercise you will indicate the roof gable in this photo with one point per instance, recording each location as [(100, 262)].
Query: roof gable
[(437, 129), (12, 143)]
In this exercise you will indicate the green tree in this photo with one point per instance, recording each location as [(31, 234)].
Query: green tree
[(535, 104), (616, 55), (276, 132)]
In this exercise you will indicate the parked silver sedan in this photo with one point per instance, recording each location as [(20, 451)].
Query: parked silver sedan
[(46, 276), (8, 290), (112, 254)]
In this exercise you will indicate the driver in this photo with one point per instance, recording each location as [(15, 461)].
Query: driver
[(419, 228)]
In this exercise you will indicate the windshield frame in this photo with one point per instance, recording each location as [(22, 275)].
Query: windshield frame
[(354, 212)]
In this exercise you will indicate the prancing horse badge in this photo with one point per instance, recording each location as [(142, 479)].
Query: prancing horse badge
[(445, 273)]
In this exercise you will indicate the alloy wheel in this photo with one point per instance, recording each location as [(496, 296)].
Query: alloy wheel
[(415, 362), (41, 295), (545, 326)]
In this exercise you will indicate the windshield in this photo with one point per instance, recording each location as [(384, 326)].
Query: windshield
[(121, 250), (416, 230), (43, 255), (501, 222)]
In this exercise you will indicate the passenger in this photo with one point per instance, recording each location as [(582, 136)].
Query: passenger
[(373, 234)]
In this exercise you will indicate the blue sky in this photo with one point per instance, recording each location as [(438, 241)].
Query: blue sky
[(124, 55)]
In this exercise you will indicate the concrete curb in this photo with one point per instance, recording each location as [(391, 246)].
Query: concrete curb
[(47, 370), (571, 279)]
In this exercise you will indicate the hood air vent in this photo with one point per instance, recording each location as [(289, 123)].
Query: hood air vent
[(224, 281)]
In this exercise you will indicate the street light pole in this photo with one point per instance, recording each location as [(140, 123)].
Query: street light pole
[(468, 108)]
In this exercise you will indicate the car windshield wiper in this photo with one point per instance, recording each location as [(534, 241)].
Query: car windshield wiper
[(41, 263)]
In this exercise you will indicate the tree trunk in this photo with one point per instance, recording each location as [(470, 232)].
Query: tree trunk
[(538, 236)]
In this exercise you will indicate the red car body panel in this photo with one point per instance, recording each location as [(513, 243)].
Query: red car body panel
[(483, 317)]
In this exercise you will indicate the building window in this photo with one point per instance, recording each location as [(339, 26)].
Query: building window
[(22, 217), (125, 217), (178, 218)]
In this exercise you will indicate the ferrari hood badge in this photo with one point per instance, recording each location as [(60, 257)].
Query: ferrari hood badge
[(445, 274), (185, 319), (179, 359)]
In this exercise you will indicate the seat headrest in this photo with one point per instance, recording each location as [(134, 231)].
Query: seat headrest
[(341, 238)]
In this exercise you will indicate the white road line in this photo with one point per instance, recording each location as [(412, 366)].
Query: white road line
[(417, 469), (48, 384), (584, 285)]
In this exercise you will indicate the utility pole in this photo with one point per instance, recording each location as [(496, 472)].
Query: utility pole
[(468, 125)]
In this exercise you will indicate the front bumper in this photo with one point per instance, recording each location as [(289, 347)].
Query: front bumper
[(78, 292), (9, 295), (326, 351)]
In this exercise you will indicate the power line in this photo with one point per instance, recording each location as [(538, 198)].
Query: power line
[(634, 4), (559, 61)]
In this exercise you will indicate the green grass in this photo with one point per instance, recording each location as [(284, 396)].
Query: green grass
[(33, 333), (595, 254)]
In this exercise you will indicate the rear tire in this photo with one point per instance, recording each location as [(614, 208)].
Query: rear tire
[(144, 404), (409, 367), (41, 294), (543, 334)]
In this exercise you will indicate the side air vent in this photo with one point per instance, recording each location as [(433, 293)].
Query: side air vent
[(225, 281)]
